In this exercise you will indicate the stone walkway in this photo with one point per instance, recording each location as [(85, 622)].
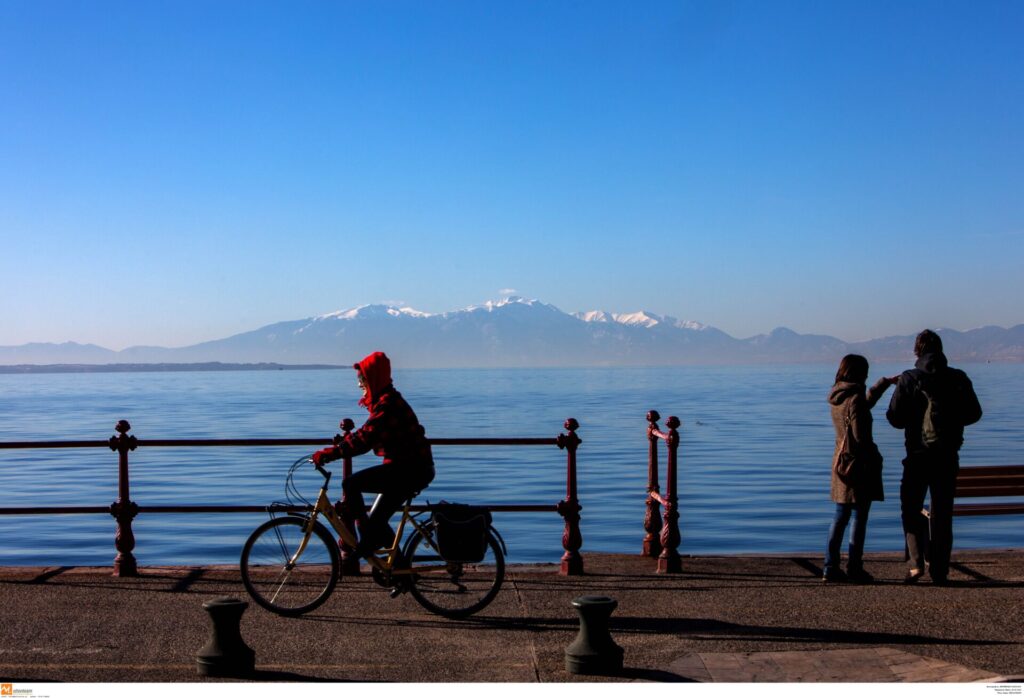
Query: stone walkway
[(724, 619), (871, 665)]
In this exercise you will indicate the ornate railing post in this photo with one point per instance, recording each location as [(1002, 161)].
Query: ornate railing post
[(569, 508), (668, 560), (349, 559), (652, 519), (124, 509)]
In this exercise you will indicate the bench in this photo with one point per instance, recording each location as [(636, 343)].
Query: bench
[(990, 481)]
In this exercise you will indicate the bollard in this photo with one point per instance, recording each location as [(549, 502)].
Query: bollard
[(594, 651), (226, 654)]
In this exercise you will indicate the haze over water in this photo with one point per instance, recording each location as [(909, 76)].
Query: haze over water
[(754, 457)]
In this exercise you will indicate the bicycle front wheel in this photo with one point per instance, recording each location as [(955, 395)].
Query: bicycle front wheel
[(454, 589), (283, 585)]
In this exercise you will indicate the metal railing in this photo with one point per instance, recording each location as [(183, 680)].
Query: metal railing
[(662, 538), (124, 510)]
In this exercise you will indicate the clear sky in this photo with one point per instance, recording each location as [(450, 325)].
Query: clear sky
[(172, 172)]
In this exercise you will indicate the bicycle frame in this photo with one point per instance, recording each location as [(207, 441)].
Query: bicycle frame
[(386, 564)]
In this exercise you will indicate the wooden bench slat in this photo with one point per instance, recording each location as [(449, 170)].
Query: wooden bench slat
[(969, 474), (990, 470), (1016, 478), (989, 490), (990, 481), (987, 509)]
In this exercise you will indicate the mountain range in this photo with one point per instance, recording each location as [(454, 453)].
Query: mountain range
[(517, 332)]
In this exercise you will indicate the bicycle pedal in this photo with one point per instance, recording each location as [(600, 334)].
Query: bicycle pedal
[(396, 592)]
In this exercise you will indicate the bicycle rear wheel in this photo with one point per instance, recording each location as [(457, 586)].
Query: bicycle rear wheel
[(279, 586), (456, 589)]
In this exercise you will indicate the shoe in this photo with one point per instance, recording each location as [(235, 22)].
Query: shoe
[(860, 576), (402, 585), (913, 576), (834, 576)]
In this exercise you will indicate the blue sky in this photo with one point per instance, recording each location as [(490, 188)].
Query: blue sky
[(176, 172)]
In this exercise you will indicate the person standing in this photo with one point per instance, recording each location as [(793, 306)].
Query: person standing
[(857, 467), (932, 403)]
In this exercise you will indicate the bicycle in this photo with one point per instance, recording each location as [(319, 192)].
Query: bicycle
[(290, 565)]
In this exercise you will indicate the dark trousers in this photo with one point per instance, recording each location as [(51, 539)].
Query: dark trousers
[(395, 484), (924, 472)]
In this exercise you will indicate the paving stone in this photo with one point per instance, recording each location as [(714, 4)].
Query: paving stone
[(867, 665)]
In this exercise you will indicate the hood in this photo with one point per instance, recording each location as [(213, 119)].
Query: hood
[(376, 372), (842, 391), (932, 363)]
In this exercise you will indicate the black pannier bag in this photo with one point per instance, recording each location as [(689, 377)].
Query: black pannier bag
[(461, 531)]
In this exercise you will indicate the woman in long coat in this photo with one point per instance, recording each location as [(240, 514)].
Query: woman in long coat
[(856, 466)]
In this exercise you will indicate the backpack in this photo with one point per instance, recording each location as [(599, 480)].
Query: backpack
[(461, 531), (940, 425)]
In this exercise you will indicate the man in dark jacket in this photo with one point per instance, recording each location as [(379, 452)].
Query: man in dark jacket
[(932, 403), (392, 432)]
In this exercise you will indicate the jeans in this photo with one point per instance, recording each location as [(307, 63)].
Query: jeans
[(855, 561)]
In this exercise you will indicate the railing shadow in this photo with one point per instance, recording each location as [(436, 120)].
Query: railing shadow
[(767, 633), (682, 627)]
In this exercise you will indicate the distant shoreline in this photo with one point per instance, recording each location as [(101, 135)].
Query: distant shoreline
[(213, 366), (160, 368)]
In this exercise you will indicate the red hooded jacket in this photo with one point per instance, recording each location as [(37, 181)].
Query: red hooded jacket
[(392, 430)]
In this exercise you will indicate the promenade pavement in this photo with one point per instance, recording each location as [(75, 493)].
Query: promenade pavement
[(732, 619)]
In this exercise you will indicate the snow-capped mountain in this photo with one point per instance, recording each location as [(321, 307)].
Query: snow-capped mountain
[(369, 310), (641, 318), (515, 331)]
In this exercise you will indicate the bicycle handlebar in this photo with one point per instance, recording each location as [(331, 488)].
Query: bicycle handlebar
[(323, 471)]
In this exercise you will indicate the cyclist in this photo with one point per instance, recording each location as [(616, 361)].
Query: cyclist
[(392, 432)]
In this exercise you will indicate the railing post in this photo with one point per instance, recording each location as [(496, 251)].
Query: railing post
[(572, 539), (668, 560), (124, 509), (349, 559), (652, 519)]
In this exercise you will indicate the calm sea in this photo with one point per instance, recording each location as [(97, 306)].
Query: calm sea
[(754, 457)]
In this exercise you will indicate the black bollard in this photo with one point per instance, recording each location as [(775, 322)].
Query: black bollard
[(594, 651), (226, 654)]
